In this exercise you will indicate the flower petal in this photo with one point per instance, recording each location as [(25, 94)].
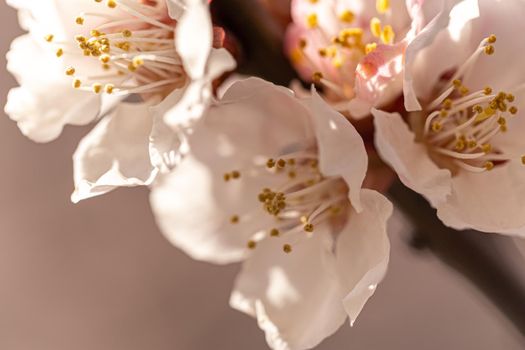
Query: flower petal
[(296, 297), (493, 201), (176, 8), (395, 144), (165, 146), (254, 121), (363, 251), (45, 102), (341, 148), (194, 37), (191, 102), (425, 38), (114, 153)]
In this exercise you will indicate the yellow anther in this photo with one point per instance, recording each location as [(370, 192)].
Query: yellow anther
[(308, 228), (111, 4), (302, 43), (488, 165), (287, 248), (510, 97), (281, 163), (457, 83), (70, 71), (126, 33), (270, 163), (460, 145), (313, 1), (382, 6), (251, 244), (79, 20), (59, 52), (491, 39), (104, 58), (226, 177), (443, 113), (95, 33), (109, 88), (274, 232), (503, 128), (477, 109), (436, 126), (513, 110), (317, 76), (234, 219), (132, 67), (464, 90), (370, 47), (291, 161), (472, 144), (77, 83), (387, 35), (486, 147), (106, 66), (347, 16), (311, 21), (447, 104), (292, 174), (502, 121), (487, 90), (296, 55), (375, 27), (236, 174), (98, 0), (337, 62), (138, 61), (49, 38), (97, 88), (523, 160), (489, 49)]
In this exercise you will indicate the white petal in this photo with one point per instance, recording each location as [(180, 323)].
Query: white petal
[(191, 102), (296, 297), (423, 39), (114, 153), (395, 144), (164, 146), (256, 120), (45, 102), (341, 148), (176, 8), (493, 201), (363, 250), (194, 37)]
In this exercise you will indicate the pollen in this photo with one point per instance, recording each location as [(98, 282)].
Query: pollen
[(370, 47), (387, 35), (347, 16), (375, 27), (287, 248), (489, 49), (97, 88), (311, 21), (317, 76), (59, 52), (77, 83), (111, 4), (70, 71), (79, 20), (382, 6), (109, 88), (49, 38)]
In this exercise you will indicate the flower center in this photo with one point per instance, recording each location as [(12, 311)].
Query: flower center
[(334, 58), (303, 198), (134, 48), (461, 126)]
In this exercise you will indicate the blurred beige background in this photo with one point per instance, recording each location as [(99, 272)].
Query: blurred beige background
[(99, 275)]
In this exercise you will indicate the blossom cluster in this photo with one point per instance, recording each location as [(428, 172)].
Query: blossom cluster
[(279, 178)]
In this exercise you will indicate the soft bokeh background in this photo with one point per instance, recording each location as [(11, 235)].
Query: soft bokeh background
[(99, 275)]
